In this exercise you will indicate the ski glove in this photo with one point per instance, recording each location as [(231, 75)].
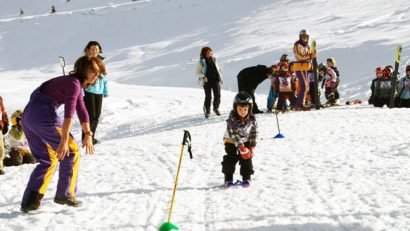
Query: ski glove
[(245, 152)]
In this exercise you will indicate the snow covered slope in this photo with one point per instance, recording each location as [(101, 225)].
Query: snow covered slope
[(338, 169)]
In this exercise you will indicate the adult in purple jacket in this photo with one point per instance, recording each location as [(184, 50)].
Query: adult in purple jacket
[(49, 135)]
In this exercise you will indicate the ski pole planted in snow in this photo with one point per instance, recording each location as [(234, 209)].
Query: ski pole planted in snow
[(185, 141), (62, 63), (279, 135)]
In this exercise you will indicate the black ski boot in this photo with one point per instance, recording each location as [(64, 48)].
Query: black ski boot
[(70, 201), (33, 202)]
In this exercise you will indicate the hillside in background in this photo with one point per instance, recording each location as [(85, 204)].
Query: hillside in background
[(337, 169), (157, 42)]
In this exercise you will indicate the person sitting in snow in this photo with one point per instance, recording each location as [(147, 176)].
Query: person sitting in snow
[(383, 88), (19, 149), (330, 82), (286, 87), (379, 72), (240, 140), (403, 90)]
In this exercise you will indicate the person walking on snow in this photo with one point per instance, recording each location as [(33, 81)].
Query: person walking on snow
[(210, 78), (94, 94), (240, 140), (49, 135), (302, 67)]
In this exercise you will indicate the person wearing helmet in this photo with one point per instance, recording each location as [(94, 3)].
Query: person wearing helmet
[(4, 126), (379, 72), (19, 149), (302, 67), (240, 140), (250, 78), (286, 87), (210, 78), (403, 89), (330, 84), (331, 63), (383, 88)]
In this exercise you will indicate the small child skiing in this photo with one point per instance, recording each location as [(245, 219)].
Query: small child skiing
[(330, 82), (240, 140), (19, 149)]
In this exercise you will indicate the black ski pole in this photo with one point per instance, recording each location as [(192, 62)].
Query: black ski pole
[(62, 63)]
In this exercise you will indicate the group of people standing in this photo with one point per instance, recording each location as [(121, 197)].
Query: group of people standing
[(382, 86), (40, 135), (291, 81)]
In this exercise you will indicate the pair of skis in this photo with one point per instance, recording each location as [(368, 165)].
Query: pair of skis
[(394, 77)]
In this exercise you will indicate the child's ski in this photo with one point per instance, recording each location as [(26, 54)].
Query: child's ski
[(315, 77), (237, 183), (394, 78)]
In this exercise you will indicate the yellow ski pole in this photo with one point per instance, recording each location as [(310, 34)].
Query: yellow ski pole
[(167, 226)]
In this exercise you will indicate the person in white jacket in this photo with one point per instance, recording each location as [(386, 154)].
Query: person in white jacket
[(210, 78)]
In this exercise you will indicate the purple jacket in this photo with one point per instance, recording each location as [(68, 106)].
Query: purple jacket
[(67, 90)]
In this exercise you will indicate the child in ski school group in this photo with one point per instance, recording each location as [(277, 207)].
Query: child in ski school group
[(41, 137)]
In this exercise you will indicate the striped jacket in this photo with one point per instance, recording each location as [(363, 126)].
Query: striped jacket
[(239, 132)]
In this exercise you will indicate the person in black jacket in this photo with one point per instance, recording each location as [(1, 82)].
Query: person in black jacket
[(210, 78), (249, 79)]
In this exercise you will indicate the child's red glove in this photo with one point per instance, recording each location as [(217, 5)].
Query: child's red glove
[(245, 152)]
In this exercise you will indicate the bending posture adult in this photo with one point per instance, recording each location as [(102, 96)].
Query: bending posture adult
[(49, 135), (249, 79), (208, 73), (302, 66), (94, 94)]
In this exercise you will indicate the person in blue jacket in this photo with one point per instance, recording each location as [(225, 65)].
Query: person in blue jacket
[(94, 94)]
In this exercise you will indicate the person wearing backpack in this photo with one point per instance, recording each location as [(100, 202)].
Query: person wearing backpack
[(403, 90)]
